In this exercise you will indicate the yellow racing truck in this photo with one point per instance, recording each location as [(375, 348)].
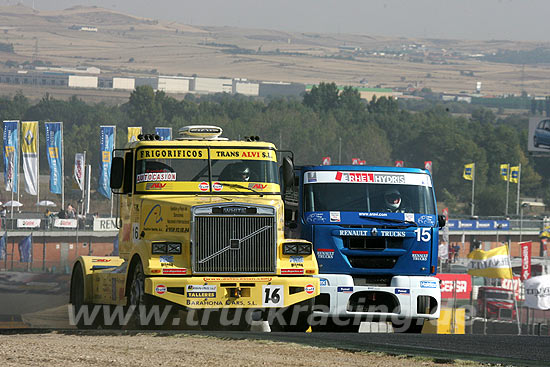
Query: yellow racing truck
[(201, 230)]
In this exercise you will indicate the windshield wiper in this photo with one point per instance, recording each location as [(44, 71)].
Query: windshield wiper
[(243, 187), (410, 222)]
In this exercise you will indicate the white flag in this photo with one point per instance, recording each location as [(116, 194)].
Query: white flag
[(79, 169), (29, 150)]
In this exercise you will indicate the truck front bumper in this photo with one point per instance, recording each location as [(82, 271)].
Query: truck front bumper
[(406, 297), (233, 292)]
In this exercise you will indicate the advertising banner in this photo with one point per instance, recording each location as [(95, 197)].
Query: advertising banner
[(133, 133), (478, 225), (537, 292), (525, 260), (105, 224), (54, 147), (11, 153), (107, 142), (28, 223), (461, 282), (65, 223), (539, 134), (29, 151), (494, 263), (326, 161), (165, 133), (79, 163)]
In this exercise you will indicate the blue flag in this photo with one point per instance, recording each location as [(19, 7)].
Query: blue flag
[(11, 154), (3, 243), (107, 140), (25, 249), (54, 147), (165, 133)]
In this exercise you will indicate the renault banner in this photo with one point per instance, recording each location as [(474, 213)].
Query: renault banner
[(11, 152), (29, 151), (54, 148), (107, 142)]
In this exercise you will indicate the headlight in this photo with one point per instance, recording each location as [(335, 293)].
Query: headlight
[(297, 248), (162, 248)]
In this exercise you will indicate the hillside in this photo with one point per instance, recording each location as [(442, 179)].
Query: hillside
[(131, 45)]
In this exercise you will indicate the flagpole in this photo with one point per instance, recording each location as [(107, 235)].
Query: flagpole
[(513, 288), (37, 165), (114, 147), (473, 186), (519, 182), (18, 156), (508, 176), (84, 178), (62, 170)]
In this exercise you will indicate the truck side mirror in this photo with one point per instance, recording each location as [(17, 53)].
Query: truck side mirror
[(117, 173), (441, 221), (288, 172)]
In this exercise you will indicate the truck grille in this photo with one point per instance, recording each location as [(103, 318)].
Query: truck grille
[(235, 244)]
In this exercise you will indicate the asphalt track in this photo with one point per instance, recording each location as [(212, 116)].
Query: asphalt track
[(508, 350)]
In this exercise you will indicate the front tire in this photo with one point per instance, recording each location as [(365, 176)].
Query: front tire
[(408, 326), (295, 318)]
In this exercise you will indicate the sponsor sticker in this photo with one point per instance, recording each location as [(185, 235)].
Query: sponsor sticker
[(316, 218), (345, 289), (156, 176), (409, 217), (204, 186), (335, 216), (166, 259), (201, 291), (292, 271), (428, 284), (323, 282), (310, 288), (160, 289), (178, 271), (420, 255), (324, 253), (402, 291), (296, 259), (217, 186)]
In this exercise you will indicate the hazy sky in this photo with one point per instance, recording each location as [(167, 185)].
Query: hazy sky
[(462, 19)]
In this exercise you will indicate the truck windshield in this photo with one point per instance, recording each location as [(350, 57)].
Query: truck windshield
[(326, 192), (189, 170)]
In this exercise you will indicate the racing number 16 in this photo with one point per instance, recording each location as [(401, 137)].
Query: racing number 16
[(273, 295)]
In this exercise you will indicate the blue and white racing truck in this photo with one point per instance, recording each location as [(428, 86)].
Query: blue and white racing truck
[(375, 233)]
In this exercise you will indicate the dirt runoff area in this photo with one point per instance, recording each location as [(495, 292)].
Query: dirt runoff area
[(56, 349)]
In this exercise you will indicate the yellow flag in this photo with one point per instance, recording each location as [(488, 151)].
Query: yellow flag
[(505, 171), (494, 263), (514, 174), (133, 133), (468, 171)]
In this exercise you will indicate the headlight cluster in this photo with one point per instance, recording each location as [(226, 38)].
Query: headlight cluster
[(166, 248), (297, 248)]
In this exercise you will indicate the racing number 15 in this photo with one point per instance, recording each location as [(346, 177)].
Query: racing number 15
[(423, 234)]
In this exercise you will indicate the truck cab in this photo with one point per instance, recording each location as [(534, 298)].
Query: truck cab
[(201, 228), (375, 235), (495, 303)]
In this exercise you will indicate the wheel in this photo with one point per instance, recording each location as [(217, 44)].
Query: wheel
[(228, 319), (147, 312), (87, 316), (294, 318), (138, 300), (409, 326), (332, 326)]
